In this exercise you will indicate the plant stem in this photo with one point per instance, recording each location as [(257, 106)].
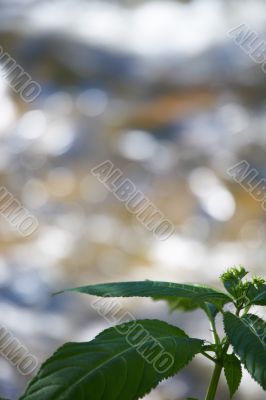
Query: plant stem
[(214, 332), (208, 356), (214, 382), (216, 374)]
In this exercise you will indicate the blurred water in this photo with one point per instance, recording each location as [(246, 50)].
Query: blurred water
[(161, 90)]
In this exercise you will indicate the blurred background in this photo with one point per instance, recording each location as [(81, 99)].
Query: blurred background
[(160, 89)]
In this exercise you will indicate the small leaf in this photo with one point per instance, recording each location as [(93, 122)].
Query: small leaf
[(122, 362), (248, 346), (233, 372), (210, 309), (188, 305), (179, 303), (198, 293)]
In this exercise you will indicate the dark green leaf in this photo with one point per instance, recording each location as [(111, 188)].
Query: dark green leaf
[(233, 372), (248, 346), (258, 325), (257, 294), (122, 363), (197, 293)]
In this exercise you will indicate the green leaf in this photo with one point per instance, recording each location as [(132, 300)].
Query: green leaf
[(187, 305), (122, 362), (210, 310), (155, 289), (258, 325), (257, 294), (233, 372), (179, 303), (248, 346)]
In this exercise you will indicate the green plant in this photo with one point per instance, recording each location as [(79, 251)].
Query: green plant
[(126, 361)]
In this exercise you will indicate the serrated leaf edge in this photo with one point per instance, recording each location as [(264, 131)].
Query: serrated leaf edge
[(255, 380), (241, 372)]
